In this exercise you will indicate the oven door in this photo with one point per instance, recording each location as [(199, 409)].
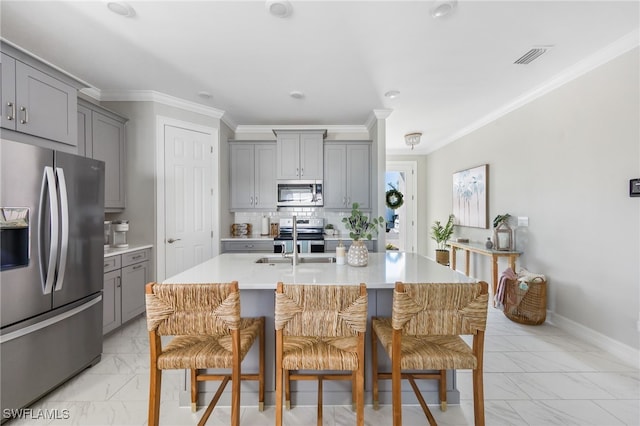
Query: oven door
[(316, 246)]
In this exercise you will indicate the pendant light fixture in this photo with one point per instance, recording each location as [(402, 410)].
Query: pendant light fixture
[(412, 139)]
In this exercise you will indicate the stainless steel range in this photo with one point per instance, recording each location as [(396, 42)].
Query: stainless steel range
[(310, 235)]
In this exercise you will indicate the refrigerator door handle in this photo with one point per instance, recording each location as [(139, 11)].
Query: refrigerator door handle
[(64, 231), (48, 270)]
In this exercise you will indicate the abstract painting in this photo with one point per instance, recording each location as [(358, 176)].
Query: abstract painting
[(470, 197)]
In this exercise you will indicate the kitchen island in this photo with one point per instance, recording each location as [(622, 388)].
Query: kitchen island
[(257, 282)]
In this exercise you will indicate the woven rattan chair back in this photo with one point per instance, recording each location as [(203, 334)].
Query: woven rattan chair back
[(439, 309), (193, 309), (321, 311)]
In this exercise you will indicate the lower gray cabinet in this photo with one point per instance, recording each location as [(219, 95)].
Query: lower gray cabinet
[(124, 280), (248, 246)]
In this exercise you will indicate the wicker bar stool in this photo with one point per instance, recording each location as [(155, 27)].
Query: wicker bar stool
[(320, 327), (424, 334), (208, 333)]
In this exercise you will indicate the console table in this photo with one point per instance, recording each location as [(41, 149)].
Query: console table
[(481, 249)]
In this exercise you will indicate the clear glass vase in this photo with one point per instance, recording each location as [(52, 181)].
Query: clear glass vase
[(358, 255)]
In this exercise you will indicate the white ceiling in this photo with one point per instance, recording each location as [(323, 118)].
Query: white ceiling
[(453, 73)]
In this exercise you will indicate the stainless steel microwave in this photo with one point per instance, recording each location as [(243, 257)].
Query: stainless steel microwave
[(300, 193)]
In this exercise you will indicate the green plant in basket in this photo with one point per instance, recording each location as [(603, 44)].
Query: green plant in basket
[(360, 226), (441, 233)]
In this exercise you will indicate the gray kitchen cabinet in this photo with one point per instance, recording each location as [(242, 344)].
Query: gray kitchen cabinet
[(252, 176), (101, 135), (39, 103), (300, 154), (247, 246), (330, 245), (347, 171), (124, 280)]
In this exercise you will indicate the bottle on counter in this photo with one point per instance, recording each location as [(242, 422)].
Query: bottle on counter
[(340, 253)]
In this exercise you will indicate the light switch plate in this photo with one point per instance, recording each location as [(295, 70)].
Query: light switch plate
[(523, 221)]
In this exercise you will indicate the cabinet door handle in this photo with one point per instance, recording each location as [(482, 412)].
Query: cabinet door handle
[(297, 171), (106, 265), (26, 116), (302, 171), (251, 200), (12, 114), (136, 256), (248, 245), (137, 267), (119, 282), (171, 240), (256, 200)]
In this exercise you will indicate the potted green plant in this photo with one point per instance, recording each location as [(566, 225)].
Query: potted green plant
[(360, 226), (328, 230), (441, 234)]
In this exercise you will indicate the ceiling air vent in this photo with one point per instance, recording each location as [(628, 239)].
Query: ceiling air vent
[(532, 54)]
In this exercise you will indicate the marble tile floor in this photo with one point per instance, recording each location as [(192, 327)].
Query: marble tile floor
[(534, 375)]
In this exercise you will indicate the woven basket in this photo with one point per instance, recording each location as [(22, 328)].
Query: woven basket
[(526, 306)]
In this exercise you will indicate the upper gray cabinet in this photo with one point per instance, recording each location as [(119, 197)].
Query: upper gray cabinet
[(252, 168), (347, 172), (38, 101), (101, 135), (300, 154)]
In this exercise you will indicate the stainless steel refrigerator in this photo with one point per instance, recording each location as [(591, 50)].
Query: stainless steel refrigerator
[(51, 274)]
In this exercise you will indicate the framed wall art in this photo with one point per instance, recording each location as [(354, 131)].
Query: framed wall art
[(470, 197)]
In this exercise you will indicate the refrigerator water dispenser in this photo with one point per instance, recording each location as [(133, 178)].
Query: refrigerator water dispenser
[(14, 237)]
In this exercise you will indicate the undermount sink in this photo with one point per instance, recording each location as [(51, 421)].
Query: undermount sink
[(274, 260), (300, 260)]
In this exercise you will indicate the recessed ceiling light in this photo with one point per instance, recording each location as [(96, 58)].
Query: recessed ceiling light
[(296, 94), (443, 8), (392, 94), (279, 8), (121, 8), (204, 95)]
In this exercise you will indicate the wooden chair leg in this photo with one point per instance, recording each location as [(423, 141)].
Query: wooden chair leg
[(319, 422), (374, 368), (278, 379), (261, 368), (287, 390), (155, 384), (354, 387), (360, 395), (443, 390), (194, 390), (478, 397)]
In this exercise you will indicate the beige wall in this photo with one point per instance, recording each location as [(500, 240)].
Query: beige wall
[(563, 160)]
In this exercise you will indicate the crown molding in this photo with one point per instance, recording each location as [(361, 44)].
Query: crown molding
[(377, 114), (606, 54), (249, 129), (152, 96)]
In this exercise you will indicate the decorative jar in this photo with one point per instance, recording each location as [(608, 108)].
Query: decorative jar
[(358, 255)]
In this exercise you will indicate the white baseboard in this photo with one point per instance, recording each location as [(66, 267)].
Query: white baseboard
[(624, 353)]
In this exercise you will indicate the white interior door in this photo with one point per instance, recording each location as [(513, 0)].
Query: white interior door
[(404, 235), (188, 188)]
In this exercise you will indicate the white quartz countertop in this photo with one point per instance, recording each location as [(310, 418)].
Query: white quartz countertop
[(382, 272), (113, 251), (248, 238)]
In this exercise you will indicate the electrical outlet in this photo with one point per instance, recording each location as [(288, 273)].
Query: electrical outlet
[(523, 221)]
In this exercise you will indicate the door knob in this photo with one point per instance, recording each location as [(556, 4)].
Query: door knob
[(171, 240)]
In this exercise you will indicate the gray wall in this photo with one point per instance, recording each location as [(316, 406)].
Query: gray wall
[(564, 160)]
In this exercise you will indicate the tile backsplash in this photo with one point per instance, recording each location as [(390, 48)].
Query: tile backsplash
[(255, 218)]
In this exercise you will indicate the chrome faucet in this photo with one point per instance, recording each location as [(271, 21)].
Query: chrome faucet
[(294, 257)]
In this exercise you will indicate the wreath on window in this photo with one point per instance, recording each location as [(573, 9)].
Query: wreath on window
[(394, 198)]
